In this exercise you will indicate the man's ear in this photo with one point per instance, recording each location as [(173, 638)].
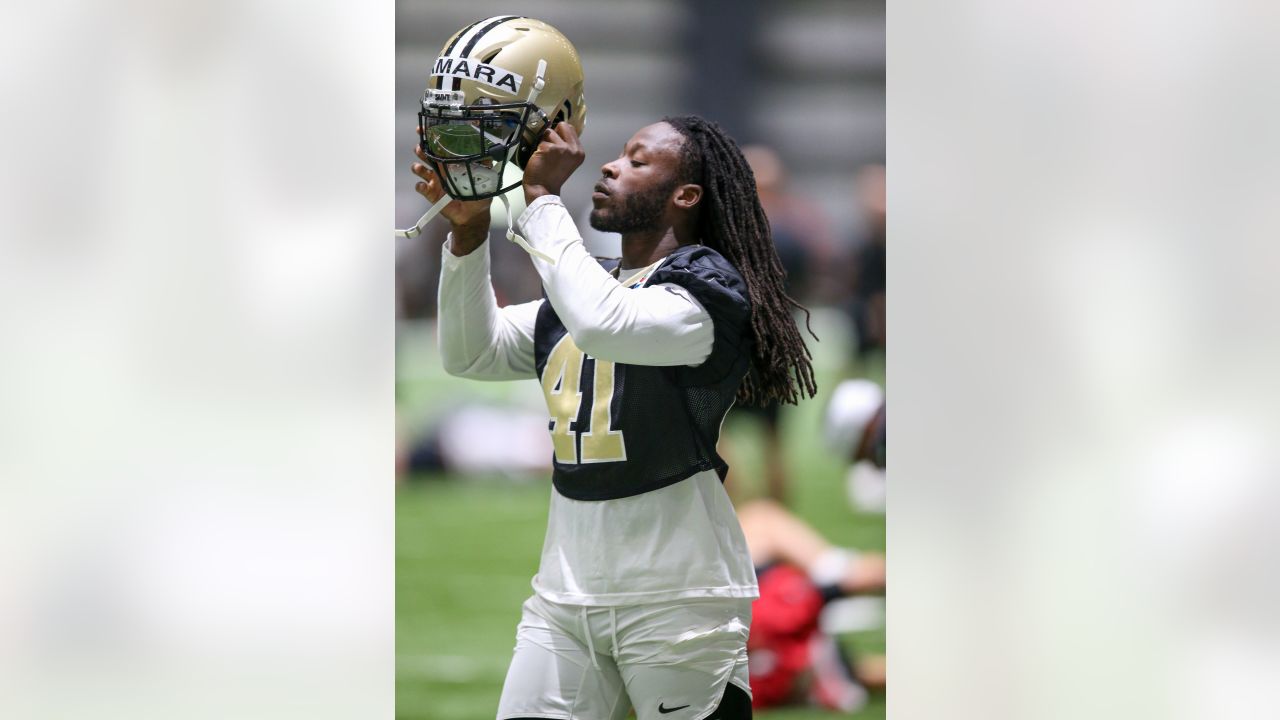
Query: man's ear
[(688, 196)]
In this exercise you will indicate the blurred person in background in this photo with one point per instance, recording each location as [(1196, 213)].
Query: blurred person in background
[(866, 268), (643, 596), (800, 231), (804, 248), (792, 660), (855, 429)]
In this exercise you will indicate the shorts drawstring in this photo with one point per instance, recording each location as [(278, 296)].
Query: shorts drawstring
[(586, 630), (613, 630)]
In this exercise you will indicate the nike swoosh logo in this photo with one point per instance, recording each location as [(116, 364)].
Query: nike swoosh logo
[(665, 710)]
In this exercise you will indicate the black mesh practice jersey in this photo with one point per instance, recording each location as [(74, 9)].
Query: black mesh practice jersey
[(621, 430)]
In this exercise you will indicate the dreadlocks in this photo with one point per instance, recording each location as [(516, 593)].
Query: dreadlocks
[(732, 222)]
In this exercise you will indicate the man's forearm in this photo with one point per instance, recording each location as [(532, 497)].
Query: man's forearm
[(477, 338), (469, 236)]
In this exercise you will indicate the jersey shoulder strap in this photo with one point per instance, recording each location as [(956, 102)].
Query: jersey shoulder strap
[(718, 286)]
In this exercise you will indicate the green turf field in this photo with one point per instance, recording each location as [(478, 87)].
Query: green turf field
[(466, 548)]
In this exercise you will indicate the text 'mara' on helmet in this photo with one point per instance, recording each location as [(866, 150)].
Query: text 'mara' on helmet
[(495, 87)]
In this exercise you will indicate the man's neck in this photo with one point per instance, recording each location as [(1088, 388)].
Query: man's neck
[(646, 248)]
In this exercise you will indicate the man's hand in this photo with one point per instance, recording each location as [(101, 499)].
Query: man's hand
[(470, 219), (557, 156)]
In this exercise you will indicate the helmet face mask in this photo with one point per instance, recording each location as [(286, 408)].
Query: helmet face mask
[(496, 86), (471, 145)]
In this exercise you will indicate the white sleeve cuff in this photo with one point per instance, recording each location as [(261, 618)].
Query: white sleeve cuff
[(534, 206), (474, 260), (548, 228)]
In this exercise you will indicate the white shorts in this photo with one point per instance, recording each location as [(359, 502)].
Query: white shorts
[(670, 661)]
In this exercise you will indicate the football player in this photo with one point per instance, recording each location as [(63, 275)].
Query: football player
[(643, 595), (792, 661), (855, 429)]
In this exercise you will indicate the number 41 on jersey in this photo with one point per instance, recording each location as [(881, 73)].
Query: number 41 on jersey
[(562, 386)]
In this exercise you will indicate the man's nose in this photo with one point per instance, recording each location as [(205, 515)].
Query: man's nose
[(608, 171)]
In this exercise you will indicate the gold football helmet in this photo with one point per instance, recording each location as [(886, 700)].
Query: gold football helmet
[(497, 84)]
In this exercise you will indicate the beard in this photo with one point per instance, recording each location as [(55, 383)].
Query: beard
[(640, 211)]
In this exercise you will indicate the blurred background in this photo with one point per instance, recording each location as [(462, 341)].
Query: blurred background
[(196, 362), (801, 86)]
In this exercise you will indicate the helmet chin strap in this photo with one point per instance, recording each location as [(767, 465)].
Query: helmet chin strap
[(427, 217), (538, 84), (514, 237)]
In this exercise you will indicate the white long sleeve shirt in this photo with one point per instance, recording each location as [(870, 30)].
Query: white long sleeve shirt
[(680, 541)]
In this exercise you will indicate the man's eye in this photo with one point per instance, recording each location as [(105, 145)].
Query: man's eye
[(636, 163)]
